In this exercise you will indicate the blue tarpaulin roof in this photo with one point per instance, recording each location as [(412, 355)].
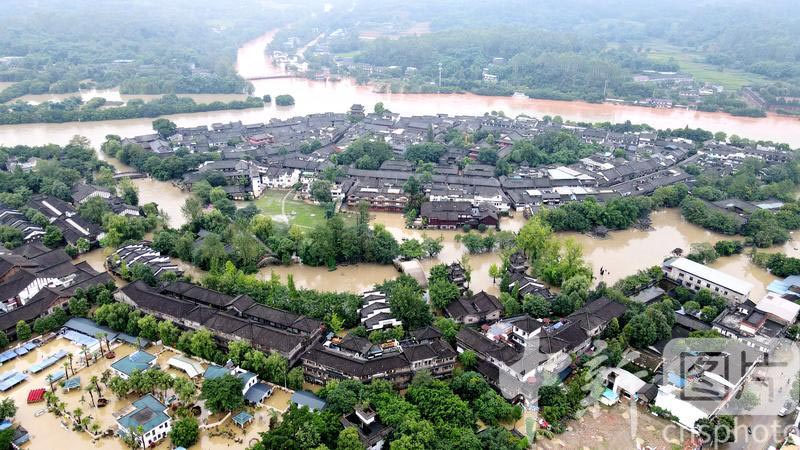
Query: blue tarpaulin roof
[(611, 395), (675, 380), (21, 351), (47, 362)]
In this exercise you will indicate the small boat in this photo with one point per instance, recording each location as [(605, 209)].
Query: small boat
[(39, 412)]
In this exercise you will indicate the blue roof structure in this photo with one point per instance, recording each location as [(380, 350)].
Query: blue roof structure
[(304, 398), (10, 379), (676, 380), (257, 393), (245, 376), (47, 362), (780, 287), (148, 414), (58, 374), (80, 339), (7, 355), (72, 383), (215, 372), (5, 424), (242, 419), (610, 395), (139, 360), (90, 329)]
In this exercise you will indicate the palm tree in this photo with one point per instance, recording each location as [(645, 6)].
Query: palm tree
[(50, 380), (77, 413), (66, 369), (85, 423), (85, 351), (101, 336), (96, 427), (90, 389), (105, 376), (94, 381), (69, 356)]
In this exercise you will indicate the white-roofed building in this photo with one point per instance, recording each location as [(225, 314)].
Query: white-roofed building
[(697, 276), (779, 309), (190, 366)]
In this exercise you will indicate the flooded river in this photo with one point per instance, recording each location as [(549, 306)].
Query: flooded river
[(321, 96), (622, 253)]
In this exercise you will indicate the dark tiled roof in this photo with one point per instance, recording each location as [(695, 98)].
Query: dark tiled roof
[(479, 304), (597, 313)]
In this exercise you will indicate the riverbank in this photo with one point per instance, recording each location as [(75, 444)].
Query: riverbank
[(96, 110), (322, 96)]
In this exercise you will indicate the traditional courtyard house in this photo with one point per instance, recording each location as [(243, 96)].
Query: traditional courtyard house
[(478, 308)]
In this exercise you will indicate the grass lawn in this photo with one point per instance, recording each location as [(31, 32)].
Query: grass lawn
[(689, 62), (302, 214), (351, 54)]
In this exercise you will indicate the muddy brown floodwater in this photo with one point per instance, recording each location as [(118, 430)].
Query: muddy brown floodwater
[(621, 254), (321, 96), (47, 431)]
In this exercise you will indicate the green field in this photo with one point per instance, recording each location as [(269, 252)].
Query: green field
[(689, 62), (298, 213)]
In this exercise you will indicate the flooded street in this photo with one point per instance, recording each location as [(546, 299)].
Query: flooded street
[(625, 252), (47, 431)]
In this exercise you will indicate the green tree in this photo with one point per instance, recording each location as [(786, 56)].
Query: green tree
[(442, 293), (321, 191), (185, 432), (411, 249), (276, 367), (348, 438), (223, 393), (408, 305), (52, 237), (168, 333), (148, 327), (716, 430), (8, 409), (468, 359), (164, 127), (494, 272), (23, 331)]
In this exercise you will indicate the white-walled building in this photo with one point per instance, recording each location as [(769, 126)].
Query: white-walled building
[(147, 419), (697, 276)]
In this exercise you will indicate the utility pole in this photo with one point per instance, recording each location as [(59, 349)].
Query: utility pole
[(439, 90)]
